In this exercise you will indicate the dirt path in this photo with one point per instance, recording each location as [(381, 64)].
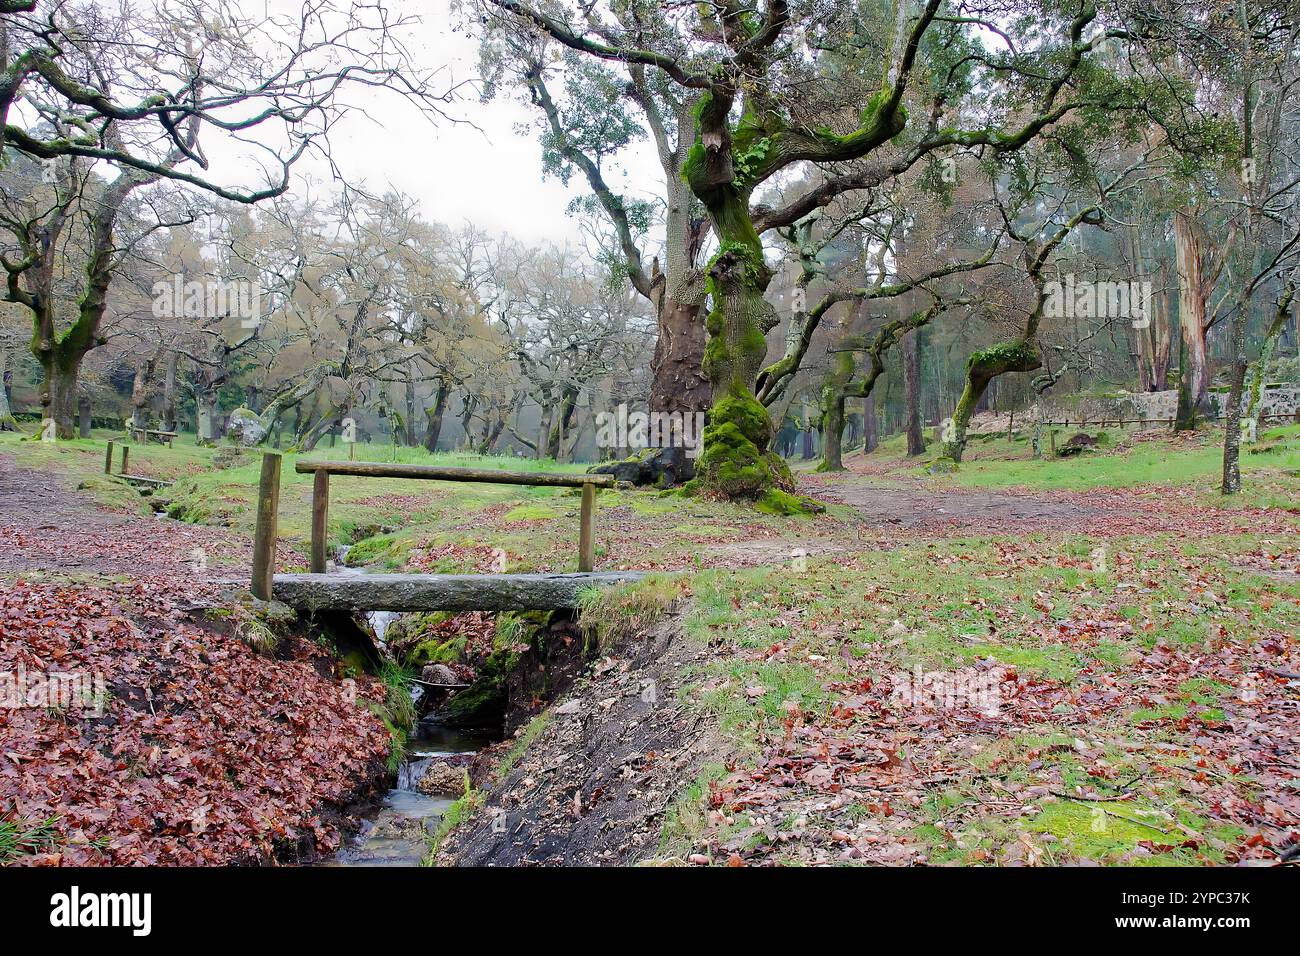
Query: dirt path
[(596, 783), (48, 528), (927, 508)]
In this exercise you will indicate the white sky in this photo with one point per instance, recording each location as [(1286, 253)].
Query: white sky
[(490, 176)]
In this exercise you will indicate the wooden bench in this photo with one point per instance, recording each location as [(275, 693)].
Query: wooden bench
[(169, 437)]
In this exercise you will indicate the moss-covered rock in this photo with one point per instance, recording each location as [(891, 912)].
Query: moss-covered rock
[(483, 703)]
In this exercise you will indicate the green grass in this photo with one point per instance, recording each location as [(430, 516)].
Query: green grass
[(1269, 476), (610, 615), (454, 816), (530, 733), (22, 838), (784, 640), (1270, 467), (684, 822)]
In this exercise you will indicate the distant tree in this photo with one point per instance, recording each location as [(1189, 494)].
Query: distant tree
[(83, 85)]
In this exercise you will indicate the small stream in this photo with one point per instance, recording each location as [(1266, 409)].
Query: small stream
[(397, 831)]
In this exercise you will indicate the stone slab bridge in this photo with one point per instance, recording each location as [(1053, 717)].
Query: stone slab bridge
[(318, 591)]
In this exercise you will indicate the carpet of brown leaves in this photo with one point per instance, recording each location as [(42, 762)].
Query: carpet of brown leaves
[(205, 751)]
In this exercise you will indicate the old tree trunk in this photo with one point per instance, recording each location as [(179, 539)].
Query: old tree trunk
[(982, 367), (736, 461), (912, 388), (1194, 383)]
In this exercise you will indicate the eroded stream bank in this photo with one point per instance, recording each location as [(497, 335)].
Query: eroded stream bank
[(480, 677)]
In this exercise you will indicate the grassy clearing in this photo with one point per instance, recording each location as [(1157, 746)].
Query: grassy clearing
[(80, 463), (1270, 466), (794, 643)]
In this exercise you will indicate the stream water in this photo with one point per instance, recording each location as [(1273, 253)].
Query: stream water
[(397, 831)]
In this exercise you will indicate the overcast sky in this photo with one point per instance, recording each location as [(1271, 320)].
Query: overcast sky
[(490, 176)]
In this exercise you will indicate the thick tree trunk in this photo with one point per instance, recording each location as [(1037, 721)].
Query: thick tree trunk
[(561, 423), (912, 387), (206, 412), (7, 422), (169, 393), (677, 379), (833, 434), (410, 438), (870, 425), (1232, 414), (837, 377), (736, 461), (492, 433), (140, 392), (319, 430), (59, 391)]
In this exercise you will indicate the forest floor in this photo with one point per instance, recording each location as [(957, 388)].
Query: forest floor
[(194, 749), (1080, 660)]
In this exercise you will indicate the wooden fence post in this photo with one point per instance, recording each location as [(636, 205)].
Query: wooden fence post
[(108, 458), (586, 535), (126, 454), (268, 507), (320, 506)]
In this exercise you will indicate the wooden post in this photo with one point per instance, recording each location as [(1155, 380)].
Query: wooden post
[(108, 458), (126, 454), (1052, 433), (268, 507), (320, 506), (586, 536)]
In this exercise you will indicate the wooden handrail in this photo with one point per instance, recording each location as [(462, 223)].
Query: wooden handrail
[(375, 469), (269, 494)]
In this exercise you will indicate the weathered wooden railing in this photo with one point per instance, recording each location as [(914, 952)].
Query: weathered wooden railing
[(133, 479), (268, 505)]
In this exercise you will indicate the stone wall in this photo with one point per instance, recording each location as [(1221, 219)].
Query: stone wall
[(1274, 402)]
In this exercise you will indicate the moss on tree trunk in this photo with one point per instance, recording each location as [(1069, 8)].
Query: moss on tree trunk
[(736, 461), (982, 367)]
